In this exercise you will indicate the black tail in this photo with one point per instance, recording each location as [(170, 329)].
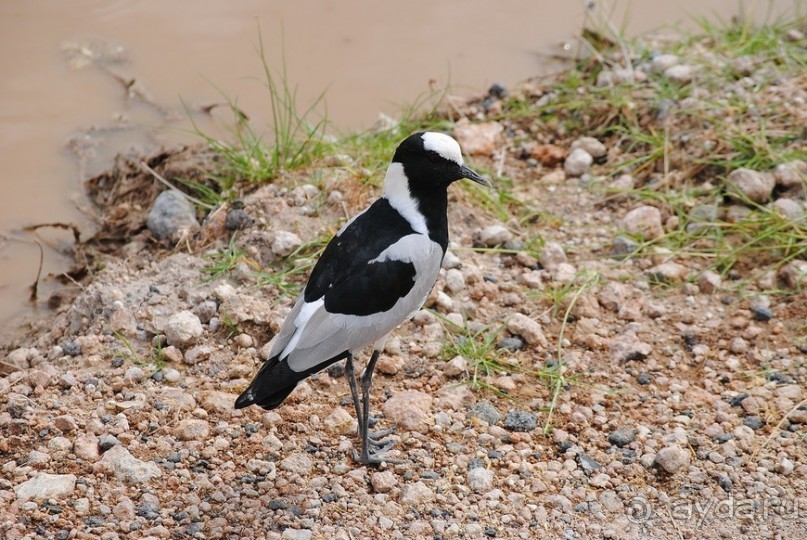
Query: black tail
[(271, 385), (275, 381)]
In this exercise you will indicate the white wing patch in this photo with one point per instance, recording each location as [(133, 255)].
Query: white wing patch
[(312, 335), (396, 191), (443, 145)]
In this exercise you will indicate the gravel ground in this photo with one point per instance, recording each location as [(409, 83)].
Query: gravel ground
[(683, 415)]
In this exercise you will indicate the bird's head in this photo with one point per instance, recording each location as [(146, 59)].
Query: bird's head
[(433, 160)]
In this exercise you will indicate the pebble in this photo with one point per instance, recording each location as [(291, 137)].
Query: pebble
[(789, 208), (577, 162), (86, 447), (529, 329), (456, 366), (627, 347), (479, 139), (709, 282), (588, 463), (171, 215), (46, 486), (622, 437), (171, 375), (480, 479), (590, 145), (118, 461), (520, 421), (754, 422), (455, 280), (340, 421), (494, 235), (790, 174), (192, 429), (106, 441), (673, 459), (663, 62), (298, 463), (682, 73), (183, 329), (416, 493), (237, 219), (297, 534), (669, 272), (409, 409), (753, 185), (552, 255), (623, 247), (383, 481), (644, 222), (486, 412), (284, 243)]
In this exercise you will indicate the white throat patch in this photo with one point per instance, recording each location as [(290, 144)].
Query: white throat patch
[(396, 191), (444, 145)]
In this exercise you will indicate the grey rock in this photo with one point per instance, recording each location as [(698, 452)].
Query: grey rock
[(578, 162), (591, 145), (663, 62), (622, 437), (588, 463), (487, 412), (623, 247), (512, 344), (754, 422), (107, 441), (753, 185), (520, 421), (171, 215), (791, 174), (789, 208), (284, 243), (552, 255), (494, 235), (237, 219), (682, 73)]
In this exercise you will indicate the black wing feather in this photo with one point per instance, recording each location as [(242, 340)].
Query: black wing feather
[(344, 274)]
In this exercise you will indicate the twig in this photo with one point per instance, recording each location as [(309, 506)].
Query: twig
[(777, 428), (156, 175)]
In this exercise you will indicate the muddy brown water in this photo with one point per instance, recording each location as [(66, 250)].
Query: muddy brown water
[(64, 67)]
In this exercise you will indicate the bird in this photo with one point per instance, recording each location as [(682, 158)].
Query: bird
[(375, 273)]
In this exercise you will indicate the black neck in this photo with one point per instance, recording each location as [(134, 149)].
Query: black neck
[(433, 204)]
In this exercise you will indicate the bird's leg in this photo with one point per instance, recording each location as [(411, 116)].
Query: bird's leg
[(380, 447), (351, 380)]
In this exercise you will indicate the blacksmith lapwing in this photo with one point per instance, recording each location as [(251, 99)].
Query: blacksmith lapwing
[(374, 274)]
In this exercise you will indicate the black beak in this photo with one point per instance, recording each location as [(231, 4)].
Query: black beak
[(472, 175)]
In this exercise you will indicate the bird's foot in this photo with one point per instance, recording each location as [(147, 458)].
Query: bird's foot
[(375, 437), (376, 457)]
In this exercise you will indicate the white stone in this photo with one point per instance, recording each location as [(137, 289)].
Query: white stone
[(284, 243), (578, 162), (520, 325), (645, 222), (118, 461), (480, 479), (46, 486), (591, 145), (754, 185), (673, 459), (183, 329)]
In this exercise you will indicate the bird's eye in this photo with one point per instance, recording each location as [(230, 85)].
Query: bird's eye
[(434, 159)]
